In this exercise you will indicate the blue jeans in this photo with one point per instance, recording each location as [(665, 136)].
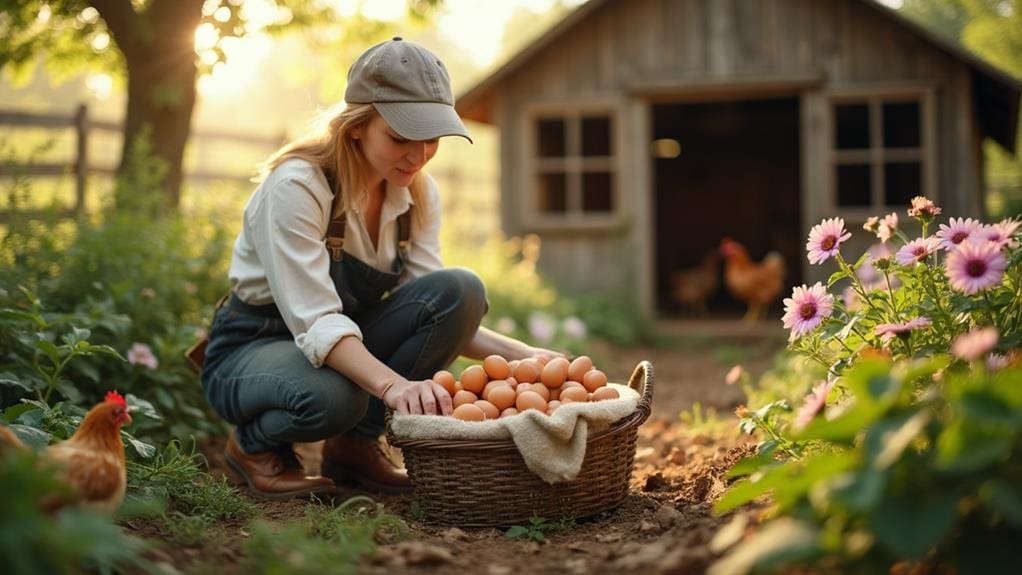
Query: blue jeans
[(256, 377)]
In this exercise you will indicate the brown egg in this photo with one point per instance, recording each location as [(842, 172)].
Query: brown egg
[(555, 392), (496, 367), (555, 372), (462, 397), (509, 412), (527, 371), (502, 396), (539, 388), (605, 393), (574, 394), (594, 380), (469, 412), (474, 379), (513, 364), (530, 400), (446, 379), (570, 383), (488, 408), (489, 387), (579, 366), (512, 382), (552, 406)]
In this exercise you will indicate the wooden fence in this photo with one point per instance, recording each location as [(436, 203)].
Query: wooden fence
[(80, 166)]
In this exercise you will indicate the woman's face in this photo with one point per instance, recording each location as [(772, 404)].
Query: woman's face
[(391, 157)]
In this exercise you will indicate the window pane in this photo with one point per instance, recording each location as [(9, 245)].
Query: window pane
[(853, 188), (852, 126), (553, 193), (596, 136), (551, 142), (596, 192), (902, 182), (901, 125)]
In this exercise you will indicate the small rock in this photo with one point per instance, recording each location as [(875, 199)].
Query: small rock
[(642, 556), (577, 546), (608, 537), (646, 526), (454, 534), (729, 534), (499, 570), (532, 547), (424, 554), (576, 565), (654, 482), (644, 452), (677, 456), (667, 516), (702, 440)]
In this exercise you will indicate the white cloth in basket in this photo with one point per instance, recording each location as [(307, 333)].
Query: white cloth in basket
[(553, 446)]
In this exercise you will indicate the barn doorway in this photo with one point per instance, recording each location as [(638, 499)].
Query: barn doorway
[(731, 169)]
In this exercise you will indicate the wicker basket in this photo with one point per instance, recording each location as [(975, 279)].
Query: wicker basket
[(476, 483)]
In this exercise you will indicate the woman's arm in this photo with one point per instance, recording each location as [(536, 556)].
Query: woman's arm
[(488, 342), (350, 357)]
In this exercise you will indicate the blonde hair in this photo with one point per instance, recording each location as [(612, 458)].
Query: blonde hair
[(330, 146)]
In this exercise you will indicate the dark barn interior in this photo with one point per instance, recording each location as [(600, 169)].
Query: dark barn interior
[(735, 173)]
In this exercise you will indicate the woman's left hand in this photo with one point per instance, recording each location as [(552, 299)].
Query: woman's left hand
[(544, 354)]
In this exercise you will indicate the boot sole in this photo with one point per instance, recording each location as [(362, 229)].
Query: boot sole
[(336, 472), (281, 496)]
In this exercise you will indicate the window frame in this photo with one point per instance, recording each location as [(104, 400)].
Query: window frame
[(573, 165), (877, 155)]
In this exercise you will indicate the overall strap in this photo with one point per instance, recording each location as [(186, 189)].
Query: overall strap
[(335, 237), (404, 232)]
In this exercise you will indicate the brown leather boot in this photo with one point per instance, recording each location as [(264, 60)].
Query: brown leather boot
[(268, 476), (365, 462)]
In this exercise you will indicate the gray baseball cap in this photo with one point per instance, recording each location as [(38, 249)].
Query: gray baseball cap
[(409, 86)]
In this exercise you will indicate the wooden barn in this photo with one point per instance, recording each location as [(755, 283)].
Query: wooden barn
[(636, 134)]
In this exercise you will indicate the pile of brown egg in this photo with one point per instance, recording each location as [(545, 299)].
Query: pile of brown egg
[(501, 388)]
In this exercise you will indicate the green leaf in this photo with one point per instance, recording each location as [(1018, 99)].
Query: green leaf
[(68, 390), (910, 525), (141, 406), (101, 349), (745, 491), (872, 381), (10, 380), (779, 542), (77, 335), (517, 532), (843, 428), (987, 408), (1004, 499), (144, 450), (859, 490), (14, 412), (964, 447), (49, 348), (32, 436), (836, 277), (887, 439)]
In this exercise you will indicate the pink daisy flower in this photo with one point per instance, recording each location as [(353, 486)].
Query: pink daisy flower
[(973, 267), (975, 344), (888, 331), (142, 354), (922, 207), (1002, 233), (814, 403), (917, 250), (807, 308), (825, 238), (956, 231), (996, 361)]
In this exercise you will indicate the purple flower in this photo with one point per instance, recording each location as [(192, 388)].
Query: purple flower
[(975, 344), (142, 354), (1002, 233), (996, 361), (917, 250), (888, 331), (574, 327), (825, 238), (807, 308), (956, 231), (814, 403), (973, 267), (542, 327)]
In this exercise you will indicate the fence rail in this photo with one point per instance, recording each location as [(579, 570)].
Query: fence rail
[(80, 166)]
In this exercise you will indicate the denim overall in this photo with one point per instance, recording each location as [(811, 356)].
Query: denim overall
[(256, 378)]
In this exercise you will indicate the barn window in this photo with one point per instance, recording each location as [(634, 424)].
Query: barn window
[(880, 150), (573, 166)]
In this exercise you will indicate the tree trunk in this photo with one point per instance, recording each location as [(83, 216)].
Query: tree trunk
[(159, 51)]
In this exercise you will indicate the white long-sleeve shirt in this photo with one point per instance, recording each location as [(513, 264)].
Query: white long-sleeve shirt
[(279, 256)]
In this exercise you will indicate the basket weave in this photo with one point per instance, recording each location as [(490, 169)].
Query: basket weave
[(485, 483)]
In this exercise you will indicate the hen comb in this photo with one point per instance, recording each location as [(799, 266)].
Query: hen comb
[(116, 398)]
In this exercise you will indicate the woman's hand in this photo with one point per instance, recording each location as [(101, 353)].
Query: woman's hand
[(425, 397), (544, 354)]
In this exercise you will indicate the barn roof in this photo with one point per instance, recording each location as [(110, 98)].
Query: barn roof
[(997, 93)]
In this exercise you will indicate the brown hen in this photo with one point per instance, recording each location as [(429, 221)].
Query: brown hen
[(91, 462), (756, 284)]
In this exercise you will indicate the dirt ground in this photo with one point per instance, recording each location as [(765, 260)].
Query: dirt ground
[(666, 523)]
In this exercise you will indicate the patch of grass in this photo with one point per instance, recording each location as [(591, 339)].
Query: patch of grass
[(538, 528), (708, 421), (326, 540)]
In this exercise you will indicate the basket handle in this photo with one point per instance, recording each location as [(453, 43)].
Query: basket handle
[(642, 382)]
